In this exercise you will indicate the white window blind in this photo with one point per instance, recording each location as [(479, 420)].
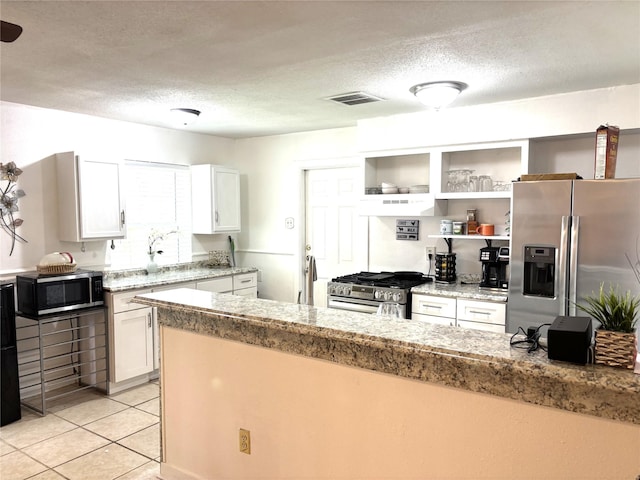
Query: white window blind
[(158, 200)]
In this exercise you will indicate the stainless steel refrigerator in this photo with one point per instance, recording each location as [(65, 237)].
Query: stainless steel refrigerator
[(568, 236)]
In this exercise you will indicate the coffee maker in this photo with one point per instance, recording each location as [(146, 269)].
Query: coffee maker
[(495, 263)]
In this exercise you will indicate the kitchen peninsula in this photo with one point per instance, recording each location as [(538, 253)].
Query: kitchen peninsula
[(335, 394)]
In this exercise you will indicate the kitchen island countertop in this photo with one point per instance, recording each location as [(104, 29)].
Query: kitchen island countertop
[(462, 358), (133, 279)]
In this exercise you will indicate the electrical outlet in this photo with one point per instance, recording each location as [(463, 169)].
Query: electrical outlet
[(245, 441), (430, 250)]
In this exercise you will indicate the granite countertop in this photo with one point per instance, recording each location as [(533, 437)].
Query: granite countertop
[(462, 358), (460, 290), (132, 279)]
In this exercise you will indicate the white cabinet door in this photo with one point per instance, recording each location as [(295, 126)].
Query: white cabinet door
[(488, 327), (247, 292), (215, 196), (122, 302), (244, 280), (479, 311), (90, 200), (434, 305), (216, 285), (433, 319), (482, 315), (173, 286), (132, 345)]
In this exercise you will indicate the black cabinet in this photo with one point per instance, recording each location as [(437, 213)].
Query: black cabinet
[(9, 380)]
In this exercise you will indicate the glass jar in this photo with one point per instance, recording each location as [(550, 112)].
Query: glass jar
[(486, 184), (473, 183), (471, 215), (458, 228), (446, 227)]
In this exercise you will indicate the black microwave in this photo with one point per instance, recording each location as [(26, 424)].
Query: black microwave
[(42, 294)]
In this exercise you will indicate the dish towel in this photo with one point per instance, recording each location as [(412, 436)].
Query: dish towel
[(312, 276)]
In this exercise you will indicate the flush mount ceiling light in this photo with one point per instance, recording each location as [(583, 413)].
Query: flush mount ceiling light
[(183, 116), (437, 94)]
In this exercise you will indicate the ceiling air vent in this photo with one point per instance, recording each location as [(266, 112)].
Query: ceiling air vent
[(354, 98)]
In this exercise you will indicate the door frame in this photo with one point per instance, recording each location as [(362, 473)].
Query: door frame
[(302, 167)]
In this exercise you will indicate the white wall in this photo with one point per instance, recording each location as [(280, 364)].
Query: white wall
[(565, 114), (31, 136)]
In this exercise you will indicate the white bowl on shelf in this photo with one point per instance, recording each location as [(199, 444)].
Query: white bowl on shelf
[(403, 189), (389, 189), (388, 185)]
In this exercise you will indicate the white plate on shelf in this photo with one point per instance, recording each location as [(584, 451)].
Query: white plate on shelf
[(389, 189)]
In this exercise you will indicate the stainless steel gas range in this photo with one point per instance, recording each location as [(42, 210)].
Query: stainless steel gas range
[(365, 291)]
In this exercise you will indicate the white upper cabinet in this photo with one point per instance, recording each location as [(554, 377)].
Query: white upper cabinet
[(502, 162), (412, 169), (90, 200), (215, 196)]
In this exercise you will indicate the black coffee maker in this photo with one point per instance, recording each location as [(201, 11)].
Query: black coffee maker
[(495, 264)]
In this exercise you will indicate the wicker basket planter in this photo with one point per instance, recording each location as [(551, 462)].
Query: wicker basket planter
[(616, 349)]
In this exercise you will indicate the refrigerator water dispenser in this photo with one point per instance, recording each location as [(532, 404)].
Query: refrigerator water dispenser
[(539, 271)]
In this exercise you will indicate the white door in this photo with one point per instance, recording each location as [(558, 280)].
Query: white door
[(336, 235)]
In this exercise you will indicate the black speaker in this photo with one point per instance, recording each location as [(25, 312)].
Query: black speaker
[(569, 339)]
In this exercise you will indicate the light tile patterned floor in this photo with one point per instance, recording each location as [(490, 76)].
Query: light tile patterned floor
[(86, 436)]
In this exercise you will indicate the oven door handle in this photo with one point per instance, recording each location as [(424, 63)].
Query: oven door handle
[(353, 305)]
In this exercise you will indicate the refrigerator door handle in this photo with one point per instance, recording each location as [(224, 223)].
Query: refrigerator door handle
[(573, 264), (561, 268)]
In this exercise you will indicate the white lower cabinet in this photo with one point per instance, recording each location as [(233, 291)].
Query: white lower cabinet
[(243, 284), (476, 314), (487, 327), (216, 285), (246, 284), (132, 350), (131, 343), (134, 335), (434, 309), (433, 319), (482, 315)]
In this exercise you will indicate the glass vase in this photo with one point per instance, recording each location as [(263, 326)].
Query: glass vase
[(152, 266)]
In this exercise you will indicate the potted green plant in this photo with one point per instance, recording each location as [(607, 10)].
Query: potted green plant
[(615, 338)]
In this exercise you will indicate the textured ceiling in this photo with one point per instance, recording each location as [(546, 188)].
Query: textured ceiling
[(263, 68)]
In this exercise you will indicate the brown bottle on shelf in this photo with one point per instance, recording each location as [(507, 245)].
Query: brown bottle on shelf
[(472, 223)]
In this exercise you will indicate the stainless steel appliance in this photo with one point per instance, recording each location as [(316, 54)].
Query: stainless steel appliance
[(10, 395), (40, 294), (568, 236), (365, 291), (495, 263)]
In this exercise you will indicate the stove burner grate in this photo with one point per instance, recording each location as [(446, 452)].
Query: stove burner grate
[(382, 279)]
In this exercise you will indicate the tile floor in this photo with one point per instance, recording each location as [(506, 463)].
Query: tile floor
[(86, 436)]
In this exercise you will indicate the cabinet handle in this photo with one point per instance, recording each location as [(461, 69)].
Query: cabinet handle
[(149, 320), (248, 280), (478, 311), (216, 217), (426, 305), (122, 217)]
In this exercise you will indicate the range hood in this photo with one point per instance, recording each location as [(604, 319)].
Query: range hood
[(406, 205)]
